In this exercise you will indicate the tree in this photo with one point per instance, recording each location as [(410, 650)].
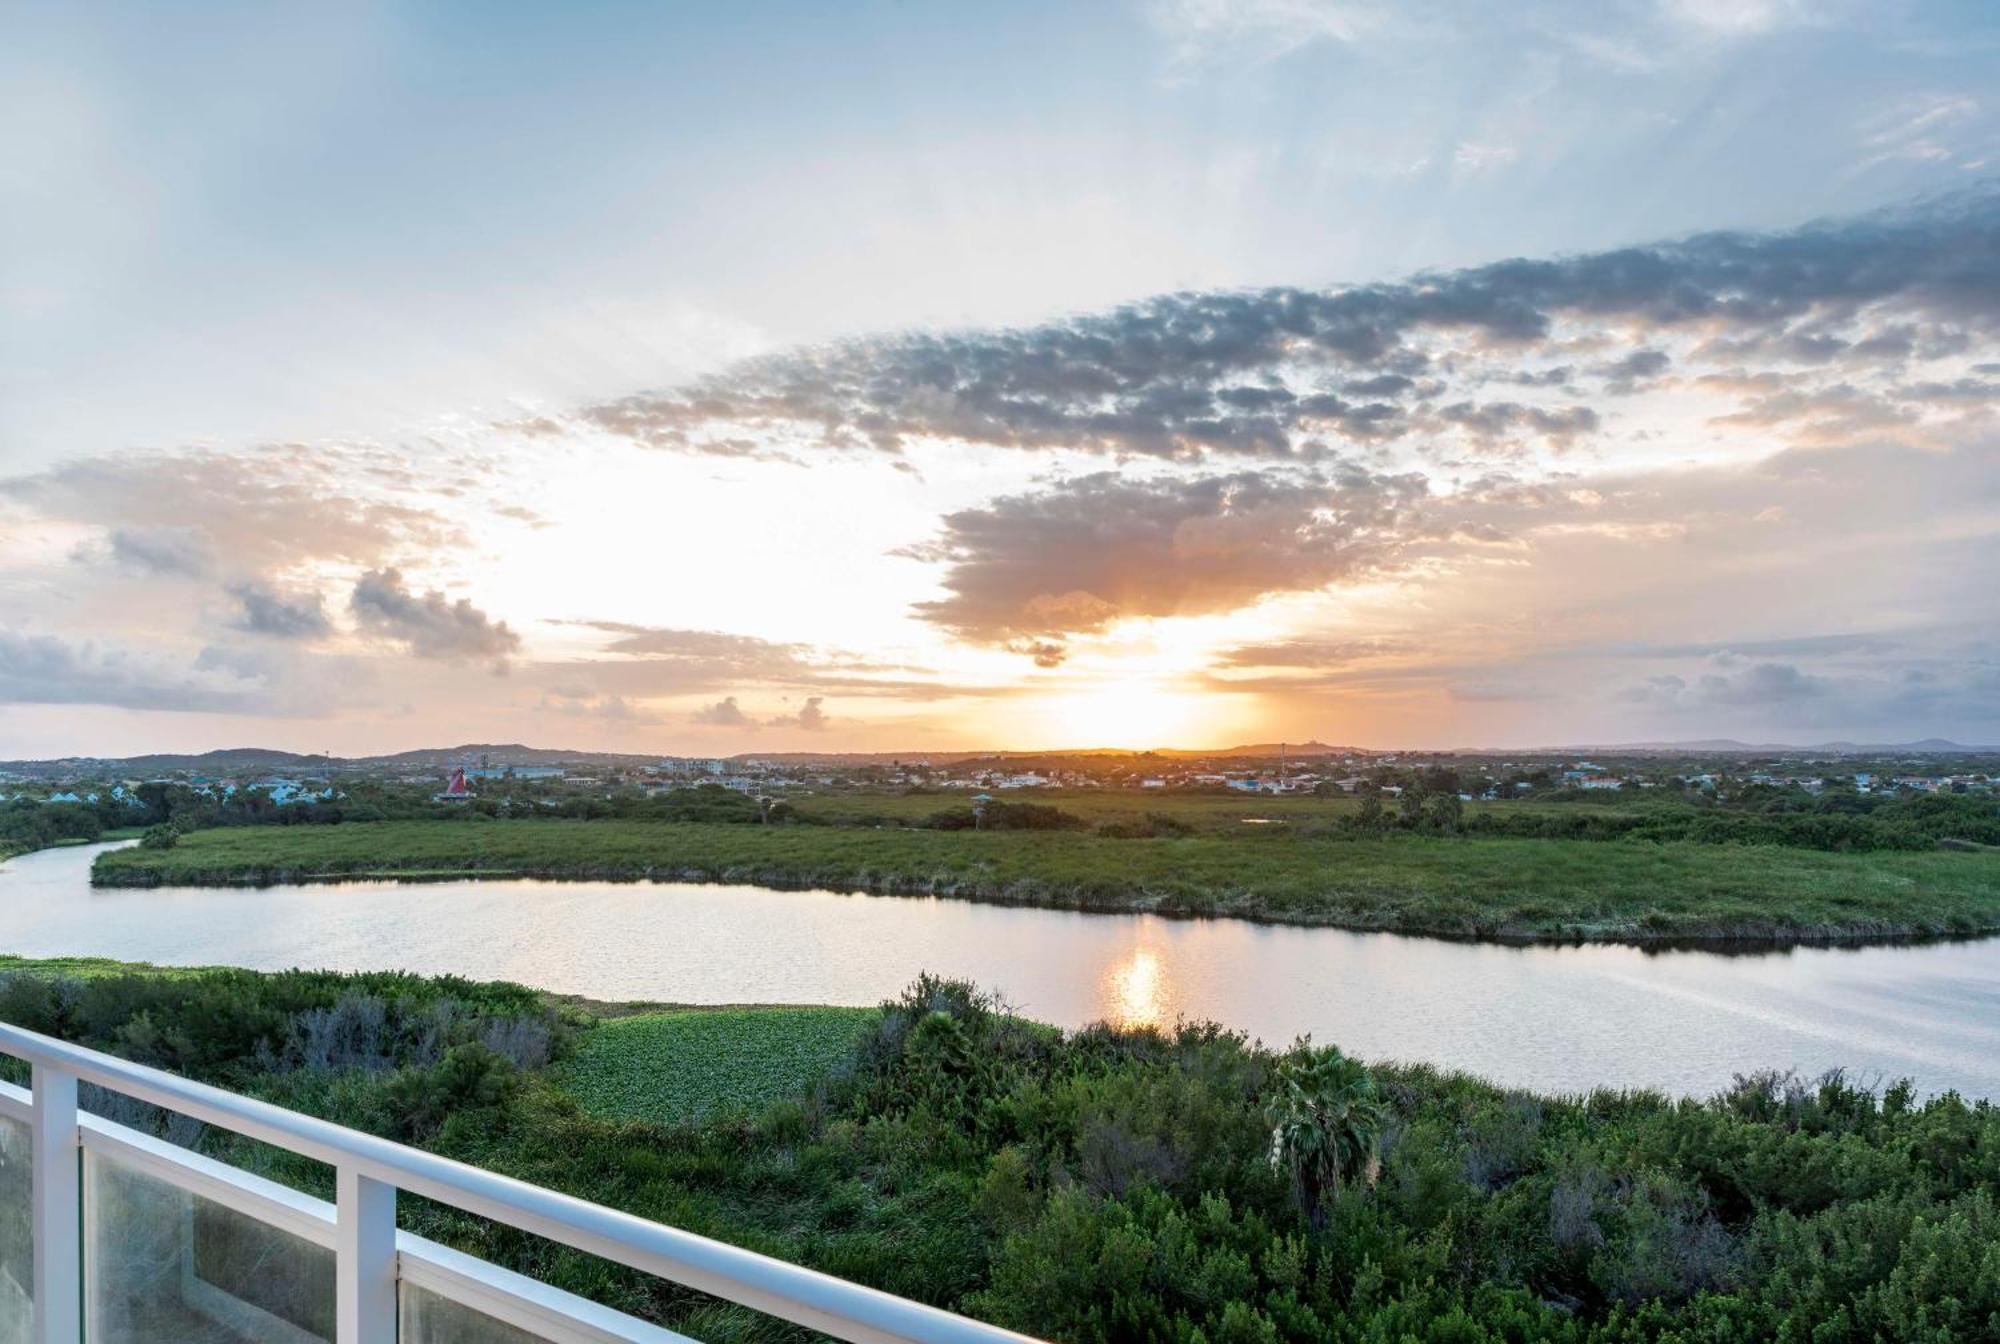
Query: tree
[(1326, 1126), (1445, 811)]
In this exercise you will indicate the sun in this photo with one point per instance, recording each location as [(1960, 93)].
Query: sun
[(1134, 712)]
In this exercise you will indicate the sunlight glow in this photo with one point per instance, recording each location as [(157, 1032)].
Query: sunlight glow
[(1131, 712), (1136, 993)]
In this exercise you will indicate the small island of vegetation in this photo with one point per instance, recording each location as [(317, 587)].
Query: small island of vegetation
[(1421, 861)]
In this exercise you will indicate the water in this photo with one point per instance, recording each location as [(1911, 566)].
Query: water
[(1548, 1018)]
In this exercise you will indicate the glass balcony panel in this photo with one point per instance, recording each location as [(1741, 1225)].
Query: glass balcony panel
[(17, 1253), (167, 1266), (427, 1318)]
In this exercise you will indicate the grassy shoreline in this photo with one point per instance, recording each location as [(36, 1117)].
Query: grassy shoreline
[(1458, 887)]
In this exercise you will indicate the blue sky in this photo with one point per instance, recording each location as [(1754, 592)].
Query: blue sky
[(249, 215), (380, 231)]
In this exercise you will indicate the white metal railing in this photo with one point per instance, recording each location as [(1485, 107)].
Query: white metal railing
[(373, 1262)]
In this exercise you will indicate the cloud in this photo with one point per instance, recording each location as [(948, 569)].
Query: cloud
[(50, 670), (431, 626), (188, 513), (1744, 18), (664, 659), (1273, 373), (182, 552), (727, 713), (809, 716), (1089, 551), (1624, 375), (1792, 647), (1498, 692), (281, 615), (1044, 652), (581, 704), (1763, 685), (1305, 653), (1477, 157), (1501, 421), (1267, 28), (724, 713)]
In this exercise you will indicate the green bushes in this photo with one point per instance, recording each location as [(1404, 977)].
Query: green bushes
[(998, 816), (1838, 823), (1111, 1185), (163, 836), (1151, 826)]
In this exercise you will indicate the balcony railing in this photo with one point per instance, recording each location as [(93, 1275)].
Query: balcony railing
[(110, 1235)]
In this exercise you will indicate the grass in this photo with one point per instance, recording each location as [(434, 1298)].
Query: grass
[(676, 1067), (92, 968), (1449, 886)]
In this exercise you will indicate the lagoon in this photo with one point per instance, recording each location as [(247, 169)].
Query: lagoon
[(1548, 1018)]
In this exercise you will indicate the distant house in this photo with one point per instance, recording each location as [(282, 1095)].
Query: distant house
[(515, 772), (455, 790)]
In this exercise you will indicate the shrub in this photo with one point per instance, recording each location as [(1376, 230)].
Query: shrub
[(1152, 826)]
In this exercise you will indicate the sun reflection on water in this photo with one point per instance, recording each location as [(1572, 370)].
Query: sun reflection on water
[(1136, 993)]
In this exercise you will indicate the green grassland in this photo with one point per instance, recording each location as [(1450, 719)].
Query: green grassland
[(1455, 886), (691, 1063)]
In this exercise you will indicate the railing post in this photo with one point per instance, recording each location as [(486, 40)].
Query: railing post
[(364, 1272), (57, 1188)]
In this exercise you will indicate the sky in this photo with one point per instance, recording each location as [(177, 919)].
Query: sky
[(773, 377)]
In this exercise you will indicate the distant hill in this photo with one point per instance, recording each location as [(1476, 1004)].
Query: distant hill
[(264, 761), (1721, 746), (224, 761)]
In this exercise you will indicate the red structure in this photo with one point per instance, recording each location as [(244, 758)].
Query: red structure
[(456, 791)]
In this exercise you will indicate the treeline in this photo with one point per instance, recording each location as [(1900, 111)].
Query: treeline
[(1834, 822), (188, 809), (1917, 823), (27, 824)]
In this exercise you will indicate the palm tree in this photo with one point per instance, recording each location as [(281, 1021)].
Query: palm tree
[(1326, 1125)]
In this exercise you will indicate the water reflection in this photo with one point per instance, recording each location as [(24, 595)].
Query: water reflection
[(1136, 991), (1550, 1018)]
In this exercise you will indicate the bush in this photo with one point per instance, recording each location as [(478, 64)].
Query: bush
[(1007, 817), (164, 836), (470, 1078), (1152, 826)]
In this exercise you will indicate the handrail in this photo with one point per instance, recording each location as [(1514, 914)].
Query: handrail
[(845, 1310)]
